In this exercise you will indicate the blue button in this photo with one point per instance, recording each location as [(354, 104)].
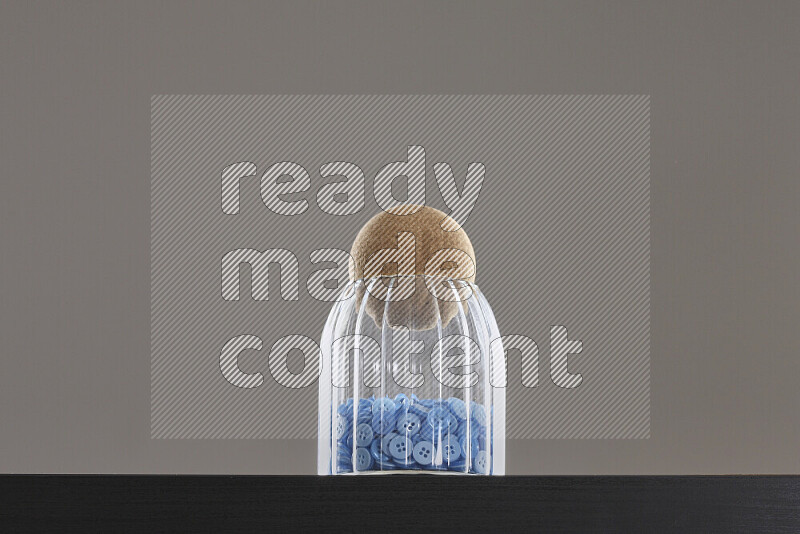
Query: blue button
[(462, 428), (342, 426), (458, 465), (364, 417), (385, 440), (407, 463), (442, 436), (451, 450), (408, 424), (419, 410), (384, 416), (365, 405), (375, 452), (383, 404), (458, 407), (402, 401), (472, 445), (478, 413), (384, 423), (344, 462), (423, 453), (400, 447), (363, 459), (442, 441), (481, 463), (385, 465), (426, 431), (440, 419), (364, 435)]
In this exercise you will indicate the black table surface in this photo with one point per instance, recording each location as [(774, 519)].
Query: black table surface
[(398, 503)]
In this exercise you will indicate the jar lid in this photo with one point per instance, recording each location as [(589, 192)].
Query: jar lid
[(412, 240)]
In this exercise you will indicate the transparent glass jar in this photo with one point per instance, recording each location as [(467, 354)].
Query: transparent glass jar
[(406, 383)]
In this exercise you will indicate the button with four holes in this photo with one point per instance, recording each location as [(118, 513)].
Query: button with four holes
[(408, 424), (481, 463), (364, 435), (400, 447), (423, 453), (451, 450), (383, 404), (363, 459)]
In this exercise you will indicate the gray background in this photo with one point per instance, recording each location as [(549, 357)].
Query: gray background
[(76, 82)]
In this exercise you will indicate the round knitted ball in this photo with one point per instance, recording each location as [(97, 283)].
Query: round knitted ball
[(428, 226), (398, 243)]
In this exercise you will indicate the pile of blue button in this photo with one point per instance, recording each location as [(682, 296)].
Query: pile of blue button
[(409, 433)]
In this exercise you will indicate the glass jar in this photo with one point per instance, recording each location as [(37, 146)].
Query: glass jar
[(406, 383)]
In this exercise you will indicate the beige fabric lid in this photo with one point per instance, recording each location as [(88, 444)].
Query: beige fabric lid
[(414, 244)]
